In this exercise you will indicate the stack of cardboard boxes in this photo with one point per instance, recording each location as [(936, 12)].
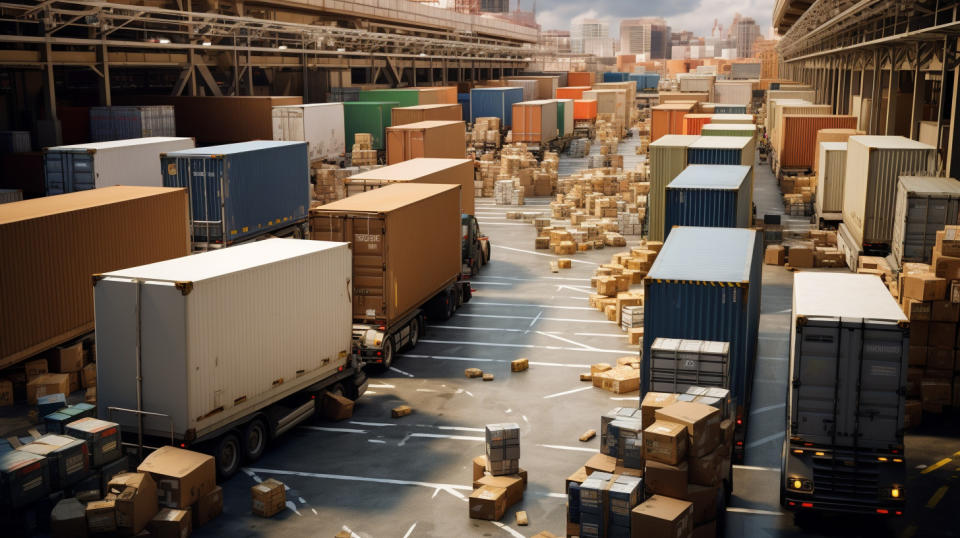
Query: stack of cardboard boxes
[(806, 250), (619, 379), (506, 192), (61, 370), (798, 194), (362, 152), (613, 282), (498, 480), (486, 133)]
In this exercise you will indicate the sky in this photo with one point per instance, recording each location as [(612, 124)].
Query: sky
[(694, 15)]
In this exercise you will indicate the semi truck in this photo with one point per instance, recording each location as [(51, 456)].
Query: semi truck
[(225, 350), (849, 349), (406, 262)]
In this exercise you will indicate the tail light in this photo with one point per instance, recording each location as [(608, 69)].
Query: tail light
[(806, 505)]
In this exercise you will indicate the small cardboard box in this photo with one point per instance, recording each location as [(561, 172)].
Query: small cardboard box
[(702, 422), (208, 507), (88, 375), (924, 287), (774, 255), (936, 359), (36, 367), (45, 384), (945, 311), (668, 480), (68, 519), (600, 463), (136, 500), (479, 467), (336, 407), (653, 401), (171, 523), (101, 517), (661, 517), (488, 502), (704, 499), (513, 484), (6, 392), (917, 310), (67, 359), (665, 442), (919, 331), (182, 476), (801, 257), (268, 498)]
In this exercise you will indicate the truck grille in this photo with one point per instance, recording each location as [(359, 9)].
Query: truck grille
[(856, 482)]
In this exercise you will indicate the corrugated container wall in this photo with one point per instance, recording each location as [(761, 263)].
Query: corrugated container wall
[(104, 164), (344, 95), (924, 206), (319, 125), (545, 87), (831, 135), (120, 122), (733, 93), (668, 157), (693, 123), (799, 137), (668, 119), (874, 164), (439, 139), (369, 117), (629, 90), (729, 129), (55, 244), (580, 78), (495, 103), (705, 285), (463, 99), (673, 97), (746, 70), (446, 171), (724, 150), (401, 96), (564, 117), (572, 92), (709, 196), (695, 83), (609, 102), (730, 109), (830, 178), (413, 114), (14, 141), (585, 109), (615, 77), (535, 121), (529, 88), (240, 191), (772, 106), (777, 132), (406, 245), (202, 349), (849, 348)]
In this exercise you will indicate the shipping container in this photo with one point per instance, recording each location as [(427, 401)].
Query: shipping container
[(585, 109), (10, 195), (772, 106), (924, 206), (874, 164), (608, 101), (438, 95), (693, 123), (406, 245), (440, 139), (668, 157), (401, 96), (696, 83), (104, 164), (24, 172), (219, 120), (678, 365), (724, 150), (709, 196), (577, 78), (120, 122), (831, 135), (544, 87), (742, 71), (535, 121), (734, 119), (930, 135), (60, 241), (217, 335), (629, 90), (414, 114), (320, 125), (645, 81), (463, 99), (344, 94), (495, 103), (673, 97), (828, 203), (799, 135), (242, 191), (14, 141), (668, 119), (776, 133), (564, 117), (729, 129), (442, 171), (572, 92), (615, 77), (529, 88), (730, 109), (729, 92), (368, 117), (705, 285), (849, 349)]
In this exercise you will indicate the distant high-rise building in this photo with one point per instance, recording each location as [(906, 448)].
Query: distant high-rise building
[(747, 32), (495, 6), (648, 36), (555, 41), (590, 36)]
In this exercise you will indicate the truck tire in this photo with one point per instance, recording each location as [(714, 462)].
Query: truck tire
[(255, 437), (227, 455), (387, 353), (414, 333)]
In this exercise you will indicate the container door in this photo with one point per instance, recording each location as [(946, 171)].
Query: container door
[(55, 171), (369, 268), (416, 145), (395, 146), (67, 171), (817, 352), (878, 417)]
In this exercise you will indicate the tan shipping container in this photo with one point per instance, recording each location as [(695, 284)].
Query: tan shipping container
[(799, 137), (831, 135), (672, 97), (779, 111), (830, 179), (406, 245), (535, 121), (668, 157), (52, 246), (442, 139), (413, 114), (438, 171)]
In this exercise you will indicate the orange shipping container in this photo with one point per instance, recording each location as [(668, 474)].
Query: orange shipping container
[(572, 92), (585, 109), (535, 121), (441, 95), (798, 143), (693, 123), (445, 171), (442, 139), (668, 119), (580, 78), (52, 246), (414, 114), (831, 135)]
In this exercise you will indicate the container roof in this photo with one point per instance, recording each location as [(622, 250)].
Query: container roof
[(538, 102), (311, 105), (711, 177), (889, 142), (426, 107), (118, 143), (231, 149), (730, 127), (722, 142), (225, 261), (428, 124), (706, 255), (731, 117), (369, 103), (386, 199), (74, 201), (496, 89), (834, 146), (681, 105), (931, 185), (410, 169), (673, 141), (843, 295)]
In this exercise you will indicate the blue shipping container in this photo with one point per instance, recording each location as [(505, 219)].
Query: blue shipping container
[(709, 195), (724, 150), (615, 77), (705, 285), (123, 122), (494, 103), (645, 81), (730, 109), (239, 191), (464, 100)]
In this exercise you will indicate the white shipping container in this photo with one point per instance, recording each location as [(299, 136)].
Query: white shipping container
[(696, 83), (567, 116), (733, 93), (320, 125), (529, 88), (222, 333), (134, 161), (874, 164), (925, 205), (829, 200)]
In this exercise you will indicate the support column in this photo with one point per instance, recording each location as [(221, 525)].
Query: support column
[(105, 97), (891, 112), (50, 96), (953, 139), (919, 89)]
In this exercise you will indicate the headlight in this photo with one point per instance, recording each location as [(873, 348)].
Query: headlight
[(896, 492), (800, 484)]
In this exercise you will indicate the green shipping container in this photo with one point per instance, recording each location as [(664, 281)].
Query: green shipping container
[(367, 117), (404, 97), (728, 129)]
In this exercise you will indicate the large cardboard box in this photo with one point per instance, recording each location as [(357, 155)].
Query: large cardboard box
[(67, 359), (704, 499), (488, 502), (653, 401), (36, 367), (336, 407), (665, 442), (171, 523), (942, 335), (601, 463), (136, 500), (802, 257), (774, 255), (88, 376), (924, 287), (661, 517), (208, 507), (268, 498), (707, 470), (513, 484), (668, 480), (101, 517), (68, 519), (182, 476), (702, 422), (46, 384)]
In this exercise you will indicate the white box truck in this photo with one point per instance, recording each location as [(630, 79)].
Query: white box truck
[(320, 125)]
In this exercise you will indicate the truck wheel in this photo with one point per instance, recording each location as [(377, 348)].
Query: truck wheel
[(387, 353), (414, 333), (255, 437), (228, 455)]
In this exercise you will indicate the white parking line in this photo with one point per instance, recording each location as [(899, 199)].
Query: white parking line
[(410, 530), (601, 334), (567, 340), (382, 386), (336, 430), (523, 305), (480, 359), (767, 408), (528, 317), (541, 279), (540, 254), (574, 448), (376, 424), (475, 282), (529, 346), (568, 392), (460, 428), (455, 327), (439, 436), (753, 511), (401, 372)]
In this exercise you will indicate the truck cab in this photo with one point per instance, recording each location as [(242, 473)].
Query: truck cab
[(476, 246)]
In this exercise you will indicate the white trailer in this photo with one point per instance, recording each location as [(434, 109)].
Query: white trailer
[(319, 124)]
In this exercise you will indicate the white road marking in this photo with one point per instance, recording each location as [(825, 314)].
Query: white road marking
[(427, 390), (460, 428), (507, 528), (293, 508), (601, 334), (564, 393), (557, 495), (475, 282), (753, 511), (528, 317), (460, 328), (573, 448), (377, 441), (301, 500), (508, 411), (314, 510), (541, 279), (567, 340), (540, 253), (252, 475), (525, 419), (439, 436), (768, 358), (336, 430), (410, 530), (767, 408), (536, 319), (529, 346), (401, 372), (377, 424), (765, 440), (352, 534), (574, 288), (382, 386), (487, 222), (625, 398), (434, 496), (479, 359), (522, 305), (755, 468)]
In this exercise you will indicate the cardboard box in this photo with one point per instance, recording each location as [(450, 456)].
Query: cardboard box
[(513, 484), (704, 499), (653, 401), (268, 498), (661, 517), (727, 428), (945, 311), (488, 502), (918, 356), (171, 523), (802, 257), (101, 517), (601, 463), (45, 384), (577, 477), (946, 267), (774, 255), (702, 423), (924, 287), (479, 467), (182, 476), (668, 480), (937, 358), (136, 500), (90, 396), (665, 442), (208, 507), (88, 376), (6, 392), (919, 331), (336, 407), (67, 359), (942, 335), (36, 367), (707, 470), (68, 519), (619, 380), (917, 310)]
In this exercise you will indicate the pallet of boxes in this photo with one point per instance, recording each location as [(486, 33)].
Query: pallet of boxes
[(814, 248), (613, 282), (661, 471), (930, 297), (362, 152), (498, 480)]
